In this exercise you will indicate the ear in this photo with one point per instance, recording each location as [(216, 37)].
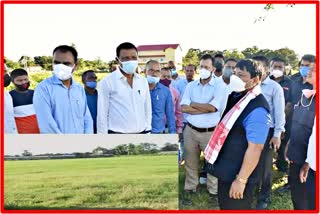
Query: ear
[(75, 67)]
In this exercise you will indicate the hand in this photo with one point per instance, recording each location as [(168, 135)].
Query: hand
[(286, 151), (282, 136), (275, 141), (304, 172), (237, 190), (180, 137)]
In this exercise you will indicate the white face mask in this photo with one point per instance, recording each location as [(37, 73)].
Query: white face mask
[(236, 84), (62, 71), (204, 73), (276, 73), (129, 67)]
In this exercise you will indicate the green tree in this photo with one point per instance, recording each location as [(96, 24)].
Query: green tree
[(11, 64), (233, 53), (191, 57)]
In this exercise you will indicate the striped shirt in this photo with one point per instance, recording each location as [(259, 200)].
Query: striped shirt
[(24, 113)]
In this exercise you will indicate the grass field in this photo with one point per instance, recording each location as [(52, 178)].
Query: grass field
[(202, 201), (126, 182)]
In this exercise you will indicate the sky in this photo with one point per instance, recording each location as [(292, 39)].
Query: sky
[(97, 30), (41, 144)]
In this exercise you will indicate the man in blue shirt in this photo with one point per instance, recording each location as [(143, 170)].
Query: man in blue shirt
[(89, 79), (59, 101), (161, 100), (236, 166)]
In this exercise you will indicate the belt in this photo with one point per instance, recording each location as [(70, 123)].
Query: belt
[(201, 129)]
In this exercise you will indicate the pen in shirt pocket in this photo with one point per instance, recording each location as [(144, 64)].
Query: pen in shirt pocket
[(139, 91)]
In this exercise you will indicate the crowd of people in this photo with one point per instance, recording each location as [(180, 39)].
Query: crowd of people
[(238, 113)]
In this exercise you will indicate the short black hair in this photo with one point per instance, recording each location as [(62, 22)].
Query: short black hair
[(219, 55), (18, 72), (250, 66), (67, 48), (231, 59), (207, 56), (194, 66), (126, 46), (277, 59), (264, 60), (83, 76), (309, 58)]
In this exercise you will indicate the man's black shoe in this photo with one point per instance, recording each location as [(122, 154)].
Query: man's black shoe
[(262, 205)]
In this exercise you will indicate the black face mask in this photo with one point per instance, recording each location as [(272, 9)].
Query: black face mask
[(7, 80), (23, 87)]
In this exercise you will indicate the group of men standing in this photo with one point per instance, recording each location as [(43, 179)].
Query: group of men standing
[(238, 113)]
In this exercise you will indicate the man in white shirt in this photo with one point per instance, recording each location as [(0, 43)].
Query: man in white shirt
[(203, 101), (9, 122), (124, 104)]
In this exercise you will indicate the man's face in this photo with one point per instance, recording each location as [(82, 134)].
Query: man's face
[(165, 74), (206, 64), (90, 77), (189, 71), (20, 80), (65, 58), (153, 70), (244, 75), (278, 66), (171, 65), (311, 76), (128, 55), (231, 65), (305, 63)]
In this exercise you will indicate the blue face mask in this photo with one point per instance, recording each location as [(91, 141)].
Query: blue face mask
[(304, 71), (92, 84), (173, 72), (153, 80)]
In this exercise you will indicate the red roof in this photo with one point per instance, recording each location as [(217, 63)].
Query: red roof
[(156, 47)]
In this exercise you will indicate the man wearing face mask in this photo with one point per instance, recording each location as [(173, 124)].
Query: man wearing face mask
[(124, 103), (9, 122), (22, 97), (302, 123), (176, 99), (60, 102), (174, 74), (277, 73), (218, 65), (300, 79), (89, 79), (274, 95), (202, 100), (161, 100), (234, 149)]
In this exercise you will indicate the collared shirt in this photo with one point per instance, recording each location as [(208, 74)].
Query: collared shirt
[(24, 113), (62, 110), (9, 122), (175, 82), (162, 106), (311, 155), (122, 108), (297, 88), (176, 99), (204, 94), (181, 86), (92, 100), (273, 93)]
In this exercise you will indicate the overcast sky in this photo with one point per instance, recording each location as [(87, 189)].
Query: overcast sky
[(41, 143), (98, 29)]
